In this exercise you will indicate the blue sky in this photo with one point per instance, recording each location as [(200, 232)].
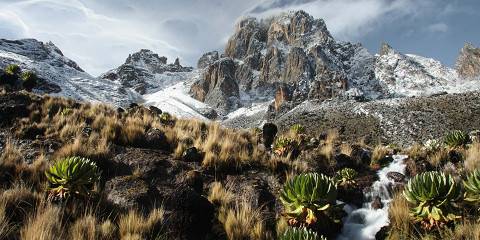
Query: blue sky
[(99, 35)]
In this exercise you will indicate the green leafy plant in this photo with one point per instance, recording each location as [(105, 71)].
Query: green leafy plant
[(433, 194), (166, 118), (13, 70), (284, 145), (298, 129), (306, 196), (29, 80), (66, 111), (72, 176), (346, 177), (456, 138), (300, 234), (472, 187)]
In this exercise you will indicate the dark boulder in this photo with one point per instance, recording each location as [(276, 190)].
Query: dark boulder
[(155, 110), (189, 215), (129, 192), (344, 161), (396, 177), (156, 139), (269, 132), (377, 203), (361, 155), (192, 155), (147, 163)]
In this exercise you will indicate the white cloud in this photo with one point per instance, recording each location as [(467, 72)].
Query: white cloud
[(438, 28), (99, 35)]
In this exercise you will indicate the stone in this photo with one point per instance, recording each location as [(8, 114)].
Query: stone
[(129, 192), (155, 110), (156, 139), (282, 95), (192, 155), (396, 177), (207, 59), (189, 215), (377, 203), (269, 132), (361, 155)]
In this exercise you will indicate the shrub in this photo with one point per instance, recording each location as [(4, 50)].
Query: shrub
[(346, 177), (300, 234), (307, 195), (298, 129), (284, 145), (432, 194), (166, 118), (472, 187), (13, 70), (456, 138), (72, 176), (29, 80)]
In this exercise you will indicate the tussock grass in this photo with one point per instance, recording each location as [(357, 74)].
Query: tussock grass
[(439, 157), (46, 224), (472, 157), (133, 225), (243, 222)]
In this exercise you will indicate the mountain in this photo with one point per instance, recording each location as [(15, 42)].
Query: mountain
[(145, 71), (468, 62), (292, 58), (61, 76)]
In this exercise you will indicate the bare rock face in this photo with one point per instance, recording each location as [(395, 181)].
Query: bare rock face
[(217, 86), (292, 50), (468, 62), (282, 95), (207, 59), (139, 70)]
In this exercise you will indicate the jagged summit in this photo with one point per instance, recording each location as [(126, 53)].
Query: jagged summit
[(468, 62), (145, 70)]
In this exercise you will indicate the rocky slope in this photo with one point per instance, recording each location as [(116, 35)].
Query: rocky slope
[(60, 75), (145, 70), (293, 57)]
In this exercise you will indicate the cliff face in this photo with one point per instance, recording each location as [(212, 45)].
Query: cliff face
[(468, 62)]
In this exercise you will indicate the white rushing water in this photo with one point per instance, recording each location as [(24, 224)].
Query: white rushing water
[(365, 222)]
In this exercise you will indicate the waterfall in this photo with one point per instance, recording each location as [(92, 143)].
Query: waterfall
[(365, 222)]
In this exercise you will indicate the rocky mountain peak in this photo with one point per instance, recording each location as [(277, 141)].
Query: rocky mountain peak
[(468, 62), (142, 71), (386, 49)]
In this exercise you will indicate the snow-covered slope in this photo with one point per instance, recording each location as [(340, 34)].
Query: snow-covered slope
[(56, 70)]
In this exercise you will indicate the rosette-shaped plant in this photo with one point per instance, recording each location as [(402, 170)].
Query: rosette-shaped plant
[(300, 234), (346, 177), (433, 195), (284, 145), (472, 187), (72, 176), (298, 129), (307, 195), (456, 139)]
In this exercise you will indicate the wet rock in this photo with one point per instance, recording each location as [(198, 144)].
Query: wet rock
[(396, 177), (377, 203), (129, 192), (383, 233), (155, 110), (189, 215), (361, 155), (192, 155), (268, 133)]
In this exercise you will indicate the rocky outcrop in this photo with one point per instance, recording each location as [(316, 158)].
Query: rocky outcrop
[(207, 59), (140, 70), (217, 86), (468, 62), (396, 177)]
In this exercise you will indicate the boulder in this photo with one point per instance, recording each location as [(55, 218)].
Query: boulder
[(269, 132), (396, 177), (130, 192), (148, 163), (189, 215), (192, 155), (155, 110), (156, 139), (377, 203), (361, 155)]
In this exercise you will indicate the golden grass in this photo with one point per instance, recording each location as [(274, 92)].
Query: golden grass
[(46, 224), (219, 195), (399, 215), (135, 226), (472, 157), (346, 149), (243, 222), (378, 153), (439, 157), (85, 228)]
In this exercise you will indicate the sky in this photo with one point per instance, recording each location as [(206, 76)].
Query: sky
[(99, 34)]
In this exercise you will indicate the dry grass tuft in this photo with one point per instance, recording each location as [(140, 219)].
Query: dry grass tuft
[(379, 153), (243, 222), (399, 215), (472, 158), (346, 149), (46, 224), (135, 226), (439, 157), (219, 195), (85, 228)]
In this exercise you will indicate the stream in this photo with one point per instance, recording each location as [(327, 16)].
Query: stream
[(363, 223)]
